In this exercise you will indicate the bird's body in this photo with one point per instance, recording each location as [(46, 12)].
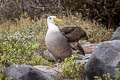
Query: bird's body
[(56, 43), (58, 46)]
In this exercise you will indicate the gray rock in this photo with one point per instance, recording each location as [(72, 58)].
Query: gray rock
[(118, 65), (83, 58), (116, 35), (89, 47), (53, 71), (87, 56), (26, 72), (103, 60), (48, 56)]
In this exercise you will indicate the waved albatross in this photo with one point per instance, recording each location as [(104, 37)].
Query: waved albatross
[(56, 41)]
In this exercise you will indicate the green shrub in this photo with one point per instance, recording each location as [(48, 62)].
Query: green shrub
[(118, 76), (1, 75), (18, 53), (107, 76), (20, 49), (73, 69)]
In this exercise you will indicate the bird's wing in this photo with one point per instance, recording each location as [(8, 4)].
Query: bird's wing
[(67, 30), (73, 34)]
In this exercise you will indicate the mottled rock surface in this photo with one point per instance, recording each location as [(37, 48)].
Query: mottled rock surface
[(116, 35), (103, 60), (89, 47), (26, 72), (50, 70)]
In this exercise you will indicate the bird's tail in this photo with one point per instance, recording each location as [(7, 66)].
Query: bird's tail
[(78, 48)]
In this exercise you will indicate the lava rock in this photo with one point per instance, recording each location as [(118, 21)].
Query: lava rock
[(118, 65), (116, 35), (25, 72), (83, 58), (103, 60), (48, 56)]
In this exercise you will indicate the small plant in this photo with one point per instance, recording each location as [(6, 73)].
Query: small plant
[(73, 69), (118, 76), (2, 75), (107, 76)]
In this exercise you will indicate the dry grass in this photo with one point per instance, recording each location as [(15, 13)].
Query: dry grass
[(95, 32), (38, 28)]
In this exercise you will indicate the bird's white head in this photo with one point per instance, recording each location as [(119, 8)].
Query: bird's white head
[(53, 20)]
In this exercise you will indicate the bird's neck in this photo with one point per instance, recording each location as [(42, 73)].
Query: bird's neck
[(52, 27)]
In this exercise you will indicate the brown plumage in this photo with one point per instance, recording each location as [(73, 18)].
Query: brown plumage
[(73, 35)]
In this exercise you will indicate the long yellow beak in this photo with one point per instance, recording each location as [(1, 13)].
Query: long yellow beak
[(57, 20)]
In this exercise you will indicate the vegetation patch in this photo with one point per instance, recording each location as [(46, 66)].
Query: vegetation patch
[(20, 49), (73, 69)]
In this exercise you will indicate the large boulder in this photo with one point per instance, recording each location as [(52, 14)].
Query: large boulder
[(25, 72), (116, 35), (103, 60)]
